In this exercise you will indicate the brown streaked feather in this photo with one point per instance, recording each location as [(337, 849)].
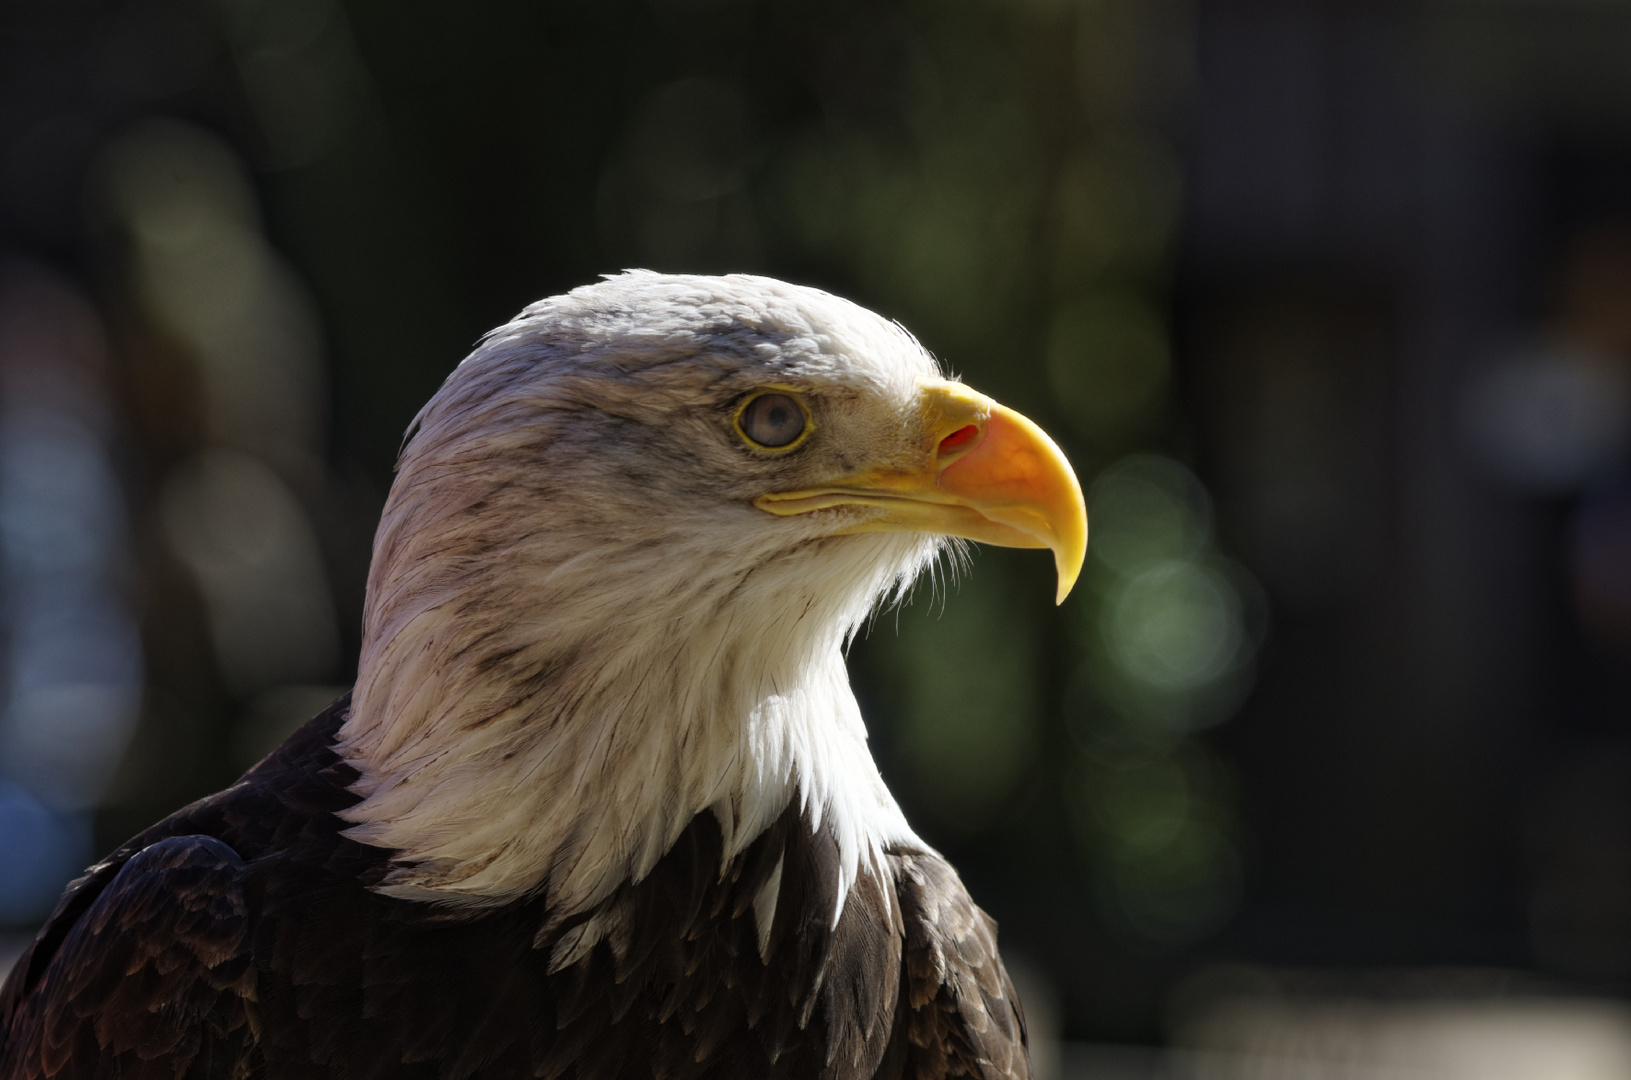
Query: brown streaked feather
[(960, 1015), (151, 980)]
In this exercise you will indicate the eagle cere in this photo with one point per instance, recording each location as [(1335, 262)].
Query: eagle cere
[(601, 803)]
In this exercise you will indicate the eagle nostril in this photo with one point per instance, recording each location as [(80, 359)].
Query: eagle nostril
[(959, 439)]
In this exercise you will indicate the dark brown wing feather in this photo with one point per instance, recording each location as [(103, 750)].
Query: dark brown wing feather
[(959, 1015), (287, 964), (150, 979)]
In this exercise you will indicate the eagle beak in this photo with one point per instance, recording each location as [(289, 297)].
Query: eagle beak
[(983, 472)]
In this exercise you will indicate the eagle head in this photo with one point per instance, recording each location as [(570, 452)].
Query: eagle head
[(627, 541)]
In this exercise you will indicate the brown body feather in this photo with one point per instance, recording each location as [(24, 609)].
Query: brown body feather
[(239, 938)]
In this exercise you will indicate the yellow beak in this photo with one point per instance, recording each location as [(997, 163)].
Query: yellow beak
[(986, 473)]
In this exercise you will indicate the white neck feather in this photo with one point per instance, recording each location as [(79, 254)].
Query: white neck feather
[(525, 722)]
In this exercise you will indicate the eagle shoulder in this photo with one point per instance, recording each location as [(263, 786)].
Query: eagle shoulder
[(142, 972), (958, 1013)]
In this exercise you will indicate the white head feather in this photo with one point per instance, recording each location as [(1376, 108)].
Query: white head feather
[(579, 632)]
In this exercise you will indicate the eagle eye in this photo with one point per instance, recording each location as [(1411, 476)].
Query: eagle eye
[(774, 421)]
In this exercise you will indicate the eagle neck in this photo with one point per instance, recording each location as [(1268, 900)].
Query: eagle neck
[(539, 727)]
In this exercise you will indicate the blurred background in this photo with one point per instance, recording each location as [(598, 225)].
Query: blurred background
[(1325, 769)]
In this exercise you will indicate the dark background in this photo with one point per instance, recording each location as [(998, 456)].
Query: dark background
[(1330, 305)]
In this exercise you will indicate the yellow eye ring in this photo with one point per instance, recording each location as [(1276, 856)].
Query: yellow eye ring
[(766, 418)]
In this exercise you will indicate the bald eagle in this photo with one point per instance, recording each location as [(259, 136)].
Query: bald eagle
[(600, 804)]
